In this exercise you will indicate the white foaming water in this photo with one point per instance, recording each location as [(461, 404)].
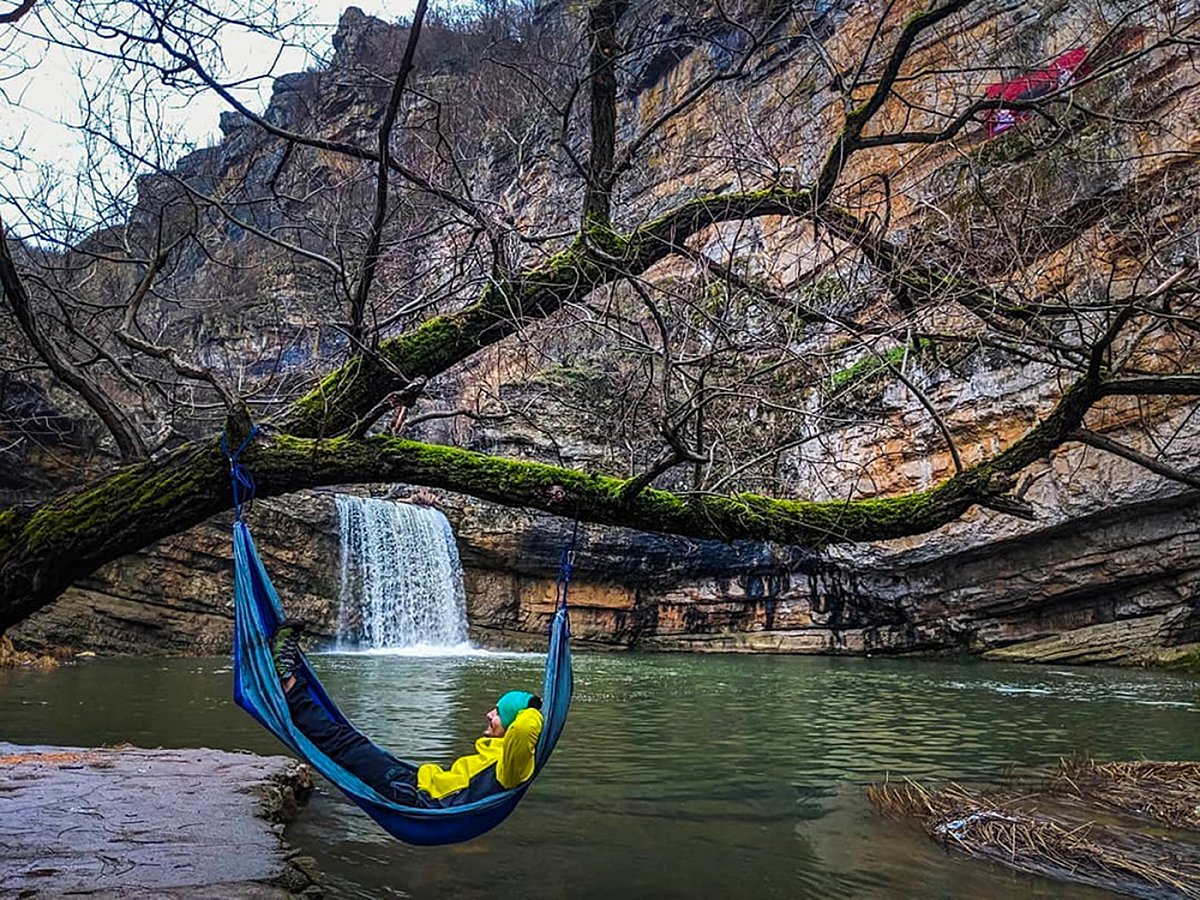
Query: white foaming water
[(464, 650), (402, 584)]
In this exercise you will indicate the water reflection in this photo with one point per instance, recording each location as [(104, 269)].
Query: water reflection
[(678, 776), (422, 698)]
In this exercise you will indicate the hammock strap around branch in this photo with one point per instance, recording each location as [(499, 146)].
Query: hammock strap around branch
[(240, 479), (566, 567)]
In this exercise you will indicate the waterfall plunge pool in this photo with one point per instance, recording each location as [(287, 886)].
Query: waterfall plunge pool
[(683, 776), (434, 651)]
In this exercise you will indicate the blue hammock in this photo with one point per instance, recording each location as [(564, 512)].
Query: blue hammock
[(257, 689)]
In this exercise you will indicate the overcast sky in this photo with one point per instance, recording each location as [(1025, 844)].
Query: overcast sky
[(40, 106)]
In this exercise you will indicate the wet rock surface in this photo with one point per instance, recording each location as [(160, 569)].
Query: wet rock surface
[(127, 822)]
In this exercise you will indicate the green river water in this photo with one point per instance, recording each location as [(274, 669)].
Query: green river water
[(678, 776)]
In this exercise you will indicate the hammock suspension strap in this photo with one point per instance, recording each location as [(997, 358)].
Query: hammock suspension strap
[(240, 479), (566, 567)]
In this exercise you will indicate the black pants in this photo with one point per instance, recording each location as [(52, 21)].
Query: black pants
[(350, 749)]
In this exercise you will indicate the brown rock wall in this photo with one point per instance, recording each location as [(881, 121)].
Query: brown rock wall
[(1120, 585), (1109, 571), (176, 596)]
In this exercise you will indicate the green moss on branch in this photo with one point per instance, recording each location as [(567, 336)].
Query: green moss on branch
[(339, 402), (70, 537), (744, 516)]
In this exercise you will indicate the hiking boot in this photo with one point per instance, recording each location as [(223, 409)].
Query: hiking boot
[(285, 646)]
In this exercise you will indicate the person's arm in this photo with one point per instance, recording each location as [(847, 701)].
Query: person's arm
[(520, 749)]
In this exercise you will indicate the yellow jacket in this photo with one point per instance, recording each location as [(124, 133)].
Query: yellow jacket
[(498, 764)]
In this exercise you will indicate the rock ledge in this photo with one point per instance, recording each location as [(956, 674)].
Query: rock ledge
[(127, 822)]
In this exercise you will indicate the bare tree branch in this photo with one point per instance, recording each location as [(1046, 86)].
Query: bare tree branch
[(124, 432), (237, 411), (1157, 466), (358, 302), (849, 140), (15, 15)]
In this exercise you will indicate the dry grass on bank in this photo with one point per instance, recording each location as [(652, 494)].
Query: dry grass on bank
[(1016, 829), (10, 656)]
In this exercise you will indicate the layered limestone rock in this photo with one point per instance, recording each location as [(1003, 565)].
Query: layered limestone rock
[(176, 596), (127, 822), (1118, 586), (1108, 571)]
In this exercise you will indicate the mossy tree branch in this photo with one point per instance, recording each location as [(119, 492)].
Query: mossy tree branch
[(596, 257), (43, 550)]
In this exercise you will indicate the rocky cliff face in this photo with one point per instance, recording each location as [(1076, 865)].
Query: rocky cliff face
[(176, 596), (1115, 587), (1108, 571)]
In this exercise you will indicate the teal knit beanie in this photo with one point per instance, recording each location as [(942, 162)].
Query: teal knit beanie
[(510, 704)]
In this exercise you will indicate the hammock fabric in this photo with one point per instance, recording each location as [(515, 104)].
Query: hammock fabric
[(257, 689)]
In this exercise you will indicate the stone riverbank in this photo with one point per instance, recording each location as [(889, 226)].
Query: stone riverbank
[(127, 822)]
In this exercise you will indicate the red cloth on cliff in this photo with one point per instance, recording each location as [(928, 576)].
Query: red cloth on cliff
[(1063, 70)]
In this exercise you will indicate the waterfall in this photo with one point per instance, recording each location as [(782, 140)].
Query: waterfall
[(401, 579)]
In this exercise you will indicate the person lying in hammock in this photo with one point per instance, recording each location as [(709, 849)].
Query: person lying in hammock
[(503, 758)]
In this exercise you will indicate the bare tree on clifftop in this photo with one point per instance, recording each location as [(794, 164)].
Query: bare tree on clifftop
[(732, 243)]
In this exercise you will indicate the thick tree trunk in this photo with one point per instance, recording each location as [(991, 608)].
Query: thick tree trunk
[(602, 59), (43, 551)]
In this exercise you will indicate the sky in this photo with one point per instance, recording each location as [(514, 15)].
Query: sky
[(40, 91)]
